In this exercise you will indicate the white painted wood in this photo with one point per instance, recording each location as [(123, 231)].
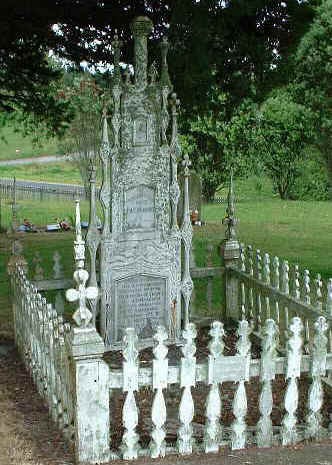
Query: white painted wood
[(130, 438), (293, 370), (238, 427), (185, 439), (160, 369), (318, 370), (264, 433), (213, 429)]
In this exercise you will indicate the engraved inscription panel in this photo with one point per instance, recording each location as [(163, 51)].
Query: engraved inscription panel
[(141, 304), (140, 208)]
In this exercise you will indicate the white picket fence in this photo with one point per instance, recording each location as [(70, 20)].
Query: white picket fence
[(66, 365), (267, 287)]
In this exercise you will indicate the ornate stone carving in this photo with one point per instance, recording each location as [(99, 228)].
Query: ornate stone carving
[(142, 195)]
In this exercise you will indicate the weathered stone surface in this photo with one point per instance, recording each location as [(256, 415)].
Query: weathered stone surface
[(140, 249)]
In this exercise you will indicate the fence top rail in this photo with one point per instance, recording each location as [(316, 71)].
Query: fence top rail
[(145, 374), (303, 308)]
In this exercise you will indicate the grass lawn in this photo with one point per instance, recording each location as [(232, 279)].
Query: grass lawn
[(61, 171), (15, 145), (298, 231)]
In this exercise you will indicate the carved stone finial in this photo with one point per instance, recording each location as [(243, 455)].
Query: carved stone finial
[(186, 163), (82, 316), (230, 220), (164, 78), (104, 137), (153, 73), (141, 27), (116, 45), (79, 249), (127, 76)]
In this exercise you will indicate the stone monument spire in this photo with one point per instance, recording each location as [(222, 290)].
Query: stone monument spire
[(141, 27), (141, 282)]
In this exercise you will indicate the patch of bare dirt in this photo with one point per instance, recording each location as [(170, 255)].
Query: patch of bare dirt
[(27, 434)]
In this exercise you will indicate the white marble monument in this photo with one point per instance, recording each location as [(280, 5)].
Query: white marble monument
[(141, 281)]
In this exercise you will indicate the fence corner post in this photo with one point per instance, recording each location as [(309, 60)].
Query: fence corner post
[(90, 382), (230, 253)]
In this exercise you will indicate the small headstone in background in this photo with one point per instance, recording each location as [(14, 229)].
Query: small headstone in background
[(195, 196)]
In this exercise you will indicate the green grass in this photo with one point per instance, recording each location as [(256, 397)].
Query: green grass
[(62, 172), (298, 231), (42, 212), (11, 141)]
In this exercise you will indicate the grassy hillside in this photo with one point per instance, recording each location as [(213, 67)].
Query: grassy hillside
[(15, 145), (61, 171)]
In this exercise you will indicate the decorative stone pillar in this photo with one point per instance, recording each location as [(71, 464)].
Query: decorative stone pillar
[(141, 28), (230, 254)]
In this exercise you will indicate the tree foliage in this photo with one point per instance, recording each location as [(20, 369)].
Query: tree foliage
[(282, 131), (313, 72), (212, 43), (87, 99)]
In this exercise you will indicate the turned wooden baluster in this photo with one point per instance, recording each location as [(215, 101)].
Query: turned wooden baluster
[(213, 429), (266, 269), (267, 374), (285, 277), (130, 445), (160, 372), (318, 293), (276, 273), (243, 302), (238, 427), (306, 287), (296, 283), (250, 260), (187, 380), (258, 265), (317, 371), (293, 371), (242, 261)]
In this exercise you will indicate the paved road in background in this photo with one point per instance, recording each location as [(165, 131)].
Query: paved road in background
[(26, 161)]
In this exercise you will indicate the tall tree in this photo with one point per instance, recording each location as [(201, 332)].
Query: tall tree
[(313, 71), (225, 43)]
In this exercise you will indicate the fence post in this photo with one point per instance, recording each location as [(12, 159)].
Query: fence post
[(89, 378), (230, 254), (88, 372)]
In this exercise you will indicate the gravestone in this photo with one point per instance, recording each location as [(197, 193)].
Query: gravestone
[(195, 195), (140, 262)]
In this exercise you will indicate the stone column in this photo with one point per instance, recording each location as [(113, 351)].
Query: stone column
[(141, 28), (230, 253)]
